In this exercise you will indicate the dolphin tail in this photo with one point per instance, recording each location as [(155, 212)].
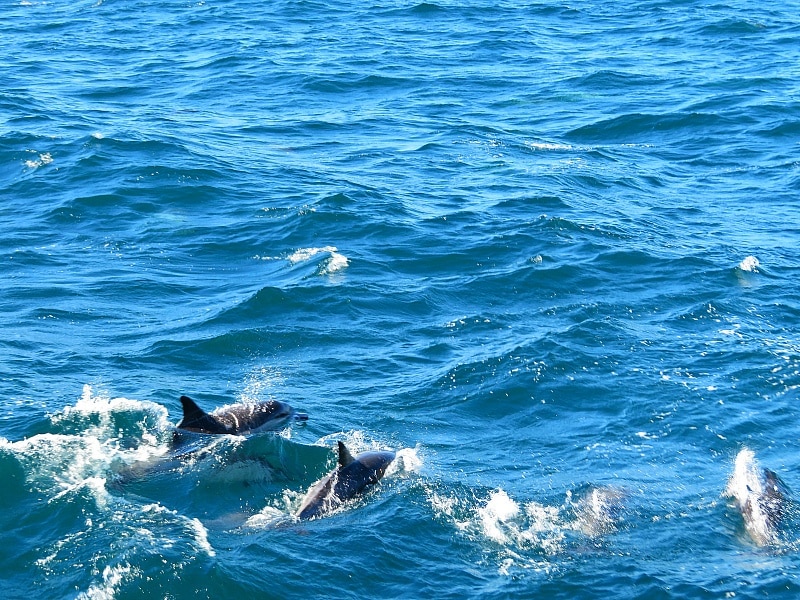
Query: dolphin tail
[(345, 458)]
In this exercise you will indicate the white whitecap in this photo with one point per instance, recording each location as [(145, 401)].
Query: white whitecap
[(304, 254), (44, 158), (91, 403), (409, 460), (749, 264), (107, 588), (597, 512), (201, 537), (495, 514), (91, 450), (334, 263), (268, 517), (548, 146)]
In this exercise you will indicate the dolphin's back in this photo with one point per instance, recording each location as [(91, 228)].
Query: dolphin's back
[(196, 419), (351, 477), (236, 420), (366, 470)]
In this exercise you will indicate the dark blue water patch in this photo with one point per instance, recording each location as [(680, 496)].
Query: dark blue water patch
[(274, 306), (427, 8), (639, 128), (356, 82), (615, 81), (731, 26), (781, 123), (331, 562), (529, 208), (190, 351)]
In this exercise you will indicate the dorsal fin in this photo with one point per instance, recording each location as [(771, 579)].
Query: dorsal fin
[(345, 458), (191, 412), (197, 420)]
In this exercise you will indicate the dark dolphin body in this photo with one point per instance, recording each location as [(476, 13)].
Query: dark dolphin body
[(238, 419), (760, 496), (763, 510), (351, 477)]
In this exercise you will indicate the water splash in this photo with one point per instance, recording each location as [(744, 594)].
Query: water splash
[(334, 263), (524, 532), (749, 264), (759, 496)]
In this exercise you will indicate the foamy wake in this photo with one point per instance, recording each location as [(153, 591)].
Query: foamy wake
[(88, 449), (517, 528), (154, 525), (92, 442), (504, 521)]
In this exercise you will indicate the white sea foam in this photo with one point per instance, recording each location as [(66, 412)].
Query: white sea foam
[(268, 517), (62, 463), (503, 521), (108, 587), (90, 450), (201, 537), (333, 263), (44, 158), (442, 503), (100, 404), (495, 514), (548, 146), (196, 529), (518, 528), (749, 264), (355, 440), (409, 460)]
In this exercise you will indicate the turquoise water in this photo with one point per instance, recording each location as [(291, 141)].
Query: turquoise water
[(546, 252)]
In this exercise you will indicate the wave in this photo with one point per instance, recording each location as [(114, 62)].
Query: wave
[(115, 502), (639, 127)]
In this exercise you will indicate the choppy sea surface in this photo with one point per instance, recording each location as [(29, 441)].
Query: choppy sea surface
[(548, 252)]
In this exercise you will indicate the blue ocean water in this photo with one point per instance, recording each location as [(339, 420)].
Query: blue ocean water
[(547, 252)]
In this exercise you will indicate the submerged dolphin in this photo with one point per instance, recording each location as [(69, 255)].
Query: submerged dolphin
[(760, 496), (350, 478), (238, 419)]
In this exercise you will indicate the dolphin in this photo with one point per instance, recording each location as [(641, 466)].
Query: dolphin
[(760, 496), (599, 509), (348, 480), (239, 419)]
